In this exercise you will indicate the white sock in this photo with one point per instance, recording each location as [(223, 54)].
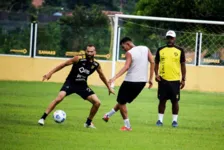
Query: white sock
[(175, 117), (161, 117), (109, 114), (127, 123)]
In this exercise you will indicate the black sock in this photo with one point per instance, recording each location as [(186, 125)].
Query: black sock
[(88, 122), (44, 116)]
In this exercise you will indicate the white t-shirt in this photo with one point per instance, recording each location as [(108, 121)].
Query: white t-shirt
[(138, 71)]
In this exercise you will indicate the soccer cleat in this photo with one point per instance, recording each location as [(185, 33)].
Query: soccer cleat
[(89, 126), (106, 118), (174, 124), (125, 128), (41, 122), (159, 123)]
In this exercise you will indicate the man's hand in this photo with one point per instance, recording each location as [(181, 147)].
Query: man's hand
[(111, 91), (150, 84), (182, 84), (47, 76), (158, 78), (111, 81)]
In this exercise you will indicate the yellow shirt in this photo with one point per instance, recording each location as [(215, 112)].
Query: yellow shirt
[(169, 59)]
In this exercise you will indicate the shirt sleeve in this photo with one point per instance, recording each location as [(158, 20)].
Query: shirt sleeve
[(157, 58), (97, 64), (182, 56)]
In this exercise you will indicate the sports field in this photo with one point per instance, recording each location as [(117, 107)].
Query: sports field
[(201, 121)]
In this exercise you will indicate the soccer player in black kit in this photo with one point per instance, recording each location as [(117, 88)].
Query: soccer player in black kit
[(76, 82)]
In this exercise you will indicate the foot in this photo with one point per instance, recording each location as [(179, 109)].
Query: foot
[(125, 128), (106, 118), (174, 124), (89, 126), (159, 123), (41, 122)]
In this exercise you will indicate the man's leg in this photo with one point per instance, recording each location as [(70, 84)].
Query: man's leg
[(175, 107), (175, 110), (110, 113), (122, 90), (123, 111), (163, 97), (95, 106), (175, 96), (51, 106), (124, 114), (161, 110)]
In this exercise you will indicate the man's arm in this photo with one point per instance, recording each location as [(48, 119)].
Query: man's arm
[(156, 69), (152, 65), (157, 60), (124, 69), (183, 69), (103, 78), (47, 76)]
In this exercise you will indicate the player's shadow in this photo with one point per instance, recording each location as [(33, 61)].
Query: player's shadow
[(23, 122), (195, 128), (182, 127)]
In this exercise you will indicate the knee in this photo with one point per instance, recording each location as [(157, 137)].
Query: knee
[(174, 102), (97, 103), (162, 103), (59, 99)]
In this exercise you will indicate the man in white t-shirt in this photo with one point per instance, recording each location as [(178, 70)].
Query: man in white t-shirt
[(136, 65)]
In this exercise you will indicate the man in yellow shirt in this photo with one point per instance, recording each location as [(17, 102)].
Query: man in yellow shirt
[(169, 68)]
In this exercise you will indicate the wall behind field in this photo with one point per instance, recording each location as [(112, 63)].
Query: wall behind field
[(209, 79)]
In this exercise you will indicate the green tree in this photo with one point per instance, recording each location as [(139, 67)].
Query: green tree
[(190, 9), (125, 6), (16, 38), (151, 33), (86, 25), (53, 2), (106, 4), (194, 9), (49, 37), (15, 5)]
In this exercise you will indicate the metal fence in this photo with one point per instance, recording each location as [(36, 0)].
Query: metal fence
[(20, 38), (203, 43), (155, 38), (15, 38), (212, 50), (55, 40)]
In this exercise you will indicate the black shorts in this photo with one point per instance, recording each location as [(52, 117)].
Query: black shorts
[(129, 91), (82, 89), (169, 90)]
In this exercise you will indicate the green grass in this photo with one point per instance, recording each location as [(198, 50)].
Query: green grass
[(201, 125)]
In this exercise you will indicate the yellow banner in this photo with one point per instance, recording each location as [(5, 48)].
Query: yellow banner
[(82, 52), (207, 60), (69, 53), (46, 52), (107, 56), (24, 51)]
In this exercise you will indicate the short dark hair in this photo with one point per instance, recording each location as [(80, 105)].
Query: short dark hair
[(91, 45), (125, 39)]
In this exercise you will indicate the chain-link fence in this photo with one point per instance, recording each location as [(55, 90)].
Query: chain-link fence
[(14, 37), (154, 37), (212, 49), (56, 40), (152, 34)]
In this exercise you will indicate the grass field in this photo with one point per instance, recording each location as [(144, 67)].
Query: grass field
[(201, 124)]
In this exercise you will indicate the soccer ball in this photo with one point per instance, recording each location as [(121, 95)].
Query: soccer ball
[(59, 116)]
